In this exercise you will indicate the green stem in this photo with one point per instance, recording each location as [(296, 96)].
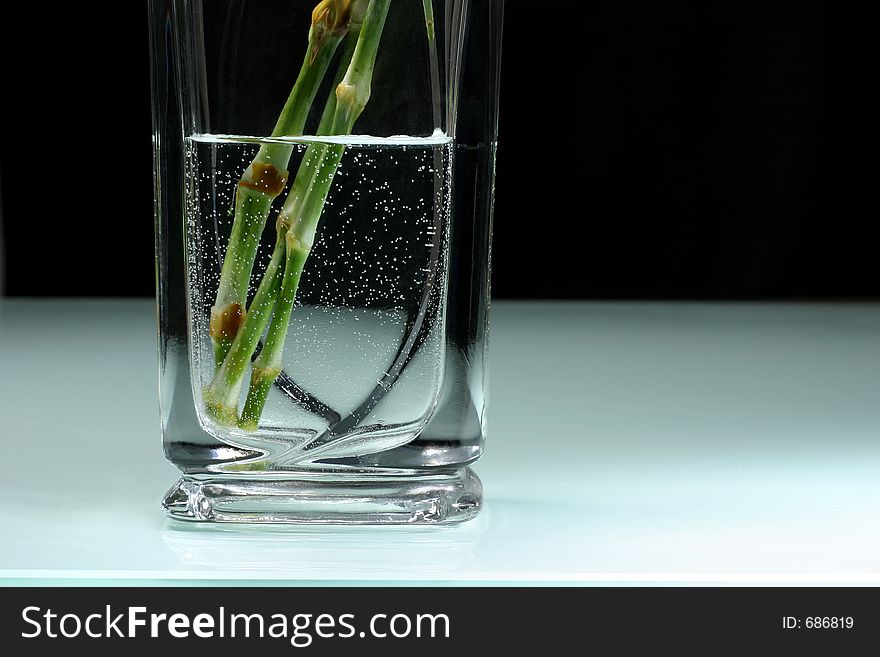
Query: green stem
[(428, 8), (267, 366), (351, 96), (314, 154), (221, 395), (223, 392), (266, 177)]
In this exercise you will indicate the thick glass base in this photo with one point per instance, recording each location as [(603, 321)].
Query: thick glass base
[(328, 498)]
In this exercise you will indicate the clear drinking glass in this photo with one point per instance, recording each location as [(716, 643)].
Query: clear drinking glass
[(346, 381)]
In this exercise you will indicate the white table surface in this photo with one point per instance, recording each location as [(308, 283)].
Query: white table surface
[(629, 443)]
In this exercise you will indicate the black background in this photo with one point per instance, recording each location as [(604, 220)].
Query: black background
[(648, 150)]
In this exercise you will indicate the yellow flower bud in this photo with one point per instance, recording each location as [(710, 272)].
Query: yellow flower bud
[(328, 17)]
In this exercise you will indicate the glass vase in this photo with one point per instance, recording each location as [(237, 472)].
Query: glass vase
[(323, 197)]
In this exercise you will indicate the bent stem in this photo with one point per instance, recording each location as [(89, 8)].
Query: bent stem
[(351, 96), (266, 177)]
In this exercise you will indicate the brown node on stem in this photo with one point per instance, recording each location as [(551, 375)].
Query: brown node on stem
[(265, 178), (226, 321)]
